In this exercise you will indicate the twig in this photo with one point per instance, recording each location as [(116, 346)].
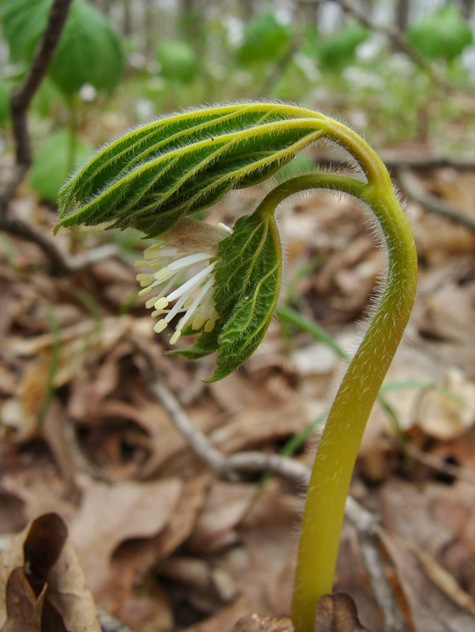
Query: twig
[(19, 103), (401, 160), (415, 191), (383, 593), (61, 264), (22, 96), (198, 441), (396, 37), (439, 465), (231, 467), (278, 70)]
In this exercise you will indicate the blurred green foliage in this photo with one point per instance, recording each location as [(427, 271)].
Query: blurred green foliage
[(442, 35), (4, 102), (265, 39), (177, 61), (52, 166), (207, 58), (339, 50), (89, 51)]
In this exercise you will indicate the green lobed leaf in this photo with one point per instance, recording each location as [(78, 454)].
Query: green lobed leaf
[(248, 278), (179, 165)]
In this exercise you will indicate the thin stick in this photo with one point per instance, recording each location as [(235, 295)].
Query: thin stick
[(233, 466), (22, 96)]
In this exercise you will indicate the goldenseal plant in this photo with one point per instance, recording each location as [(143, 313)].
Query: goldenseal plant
[(223, 285)]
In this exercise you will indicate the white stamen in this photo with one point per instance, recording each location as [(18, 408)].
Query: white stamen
[(182, 277), (189, 261), (193, 282)]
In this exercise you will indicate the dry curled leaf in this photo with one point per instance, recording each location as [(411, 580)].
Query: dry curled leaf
[(24, 608), (45, 589), (258, 623), (337, 613)]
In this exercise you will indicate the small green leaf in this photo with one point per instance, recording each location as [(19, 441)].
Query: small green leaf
[(177, 61), (265, 40), (442, 35), (176, 166), (248, 278)]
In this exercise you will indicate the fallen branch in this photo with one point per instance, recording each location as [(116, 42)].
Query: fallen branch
[(232, 468), (19, 103), (399, 159), (61, 264), (416, 192)]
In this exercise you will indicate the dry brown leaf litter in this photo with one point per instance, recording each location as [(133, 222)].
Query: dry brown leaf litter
[(162, 543)]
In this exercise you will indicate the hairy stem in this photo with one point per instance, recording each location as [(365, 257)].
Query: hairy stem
[(338, 449)]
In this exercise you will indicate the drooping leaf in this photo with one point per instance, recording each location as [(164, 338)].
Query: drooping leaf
[(248, 278), (177, 61), (176, 166)]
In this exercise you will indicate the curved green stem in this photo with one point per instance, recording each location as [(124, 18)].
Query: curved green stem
[(338, 449)]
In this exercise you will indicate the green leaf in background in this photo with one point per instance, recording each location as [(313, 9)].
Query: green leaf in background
[(4, 102), (442, 35), (179, 165), (89, 51), (177, 61), (265, 40), (50, 167), (23, 23), (338, 51)]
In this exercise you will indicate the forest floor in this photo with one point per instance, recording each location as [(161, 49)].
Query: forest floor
[(89, 405)]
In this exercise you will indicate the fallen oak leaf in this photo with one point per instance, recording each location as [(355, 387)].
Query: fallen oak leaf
[(55, 592), (24, 608), (111, 514), (42, 548)]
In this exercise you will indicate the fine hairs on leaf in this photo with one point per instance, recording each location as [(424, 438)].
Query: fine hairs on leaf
[(157, 176)]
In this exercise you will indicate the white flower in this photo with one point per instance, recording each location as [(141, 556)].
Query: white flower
[(181, 277)]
